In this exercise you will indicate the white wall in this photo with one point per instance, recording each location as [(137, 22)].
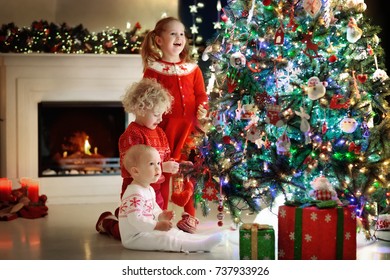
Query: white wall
[(95, 15)]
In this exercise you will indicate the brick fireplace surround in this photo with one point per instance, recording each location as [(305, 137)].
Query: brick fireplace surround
[(26, 80)]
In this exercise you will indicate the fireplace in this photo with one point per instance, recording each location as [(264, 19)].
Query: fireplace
[(79, 138), (30, 81)]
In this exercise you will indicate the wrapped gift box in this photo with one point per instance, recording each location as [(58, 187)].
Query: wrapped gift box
[(383, 222), (311, 233), (257, 242)]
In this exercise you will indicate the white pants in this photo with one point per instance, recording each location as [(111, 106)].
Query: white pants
[(173, 240)]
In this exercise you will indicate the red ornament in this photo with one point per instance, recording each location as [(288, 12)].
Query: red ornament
[(266, 2), (232, 84), (332, 58), (220, 208), (227, 140), (209, 192), (362, 78), (137, 25), (254, 65), (220, 223), (338, 101), (355, 148), (279, 36), (224, 18)]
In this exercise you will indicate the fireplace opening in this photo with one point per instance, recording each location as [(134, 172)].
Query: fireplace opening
[(79, 138)]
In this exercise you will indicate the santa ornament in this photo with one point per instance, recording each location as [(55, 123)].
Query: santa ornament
[(315, 88), (322, 189), (283, 145), (348, 125)]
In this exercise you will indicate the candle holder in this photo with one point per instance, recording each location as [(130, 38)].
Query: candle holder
[(23, 202)]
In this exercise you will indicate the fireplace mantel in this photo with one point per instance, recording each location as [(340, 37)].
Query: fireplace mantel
[(26, 80)]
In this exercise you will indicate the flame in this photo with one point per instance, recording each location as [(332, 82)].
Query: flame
[(87, 146)]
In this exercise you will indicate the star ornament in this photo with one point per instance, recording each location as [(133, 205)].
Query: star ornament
[(193, 9), (194, 29), (217, 25)]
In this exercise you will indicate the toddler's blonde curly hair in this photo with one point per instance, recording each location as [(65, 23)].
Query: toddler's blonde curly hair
[(147, 94)]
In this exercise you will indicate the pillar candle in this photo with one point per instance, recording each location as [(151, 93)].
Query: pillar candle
[(33, 190), (24, 181), (5, 189)]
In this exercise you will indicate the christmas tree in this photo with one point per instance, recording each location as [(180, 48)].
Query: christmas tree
[(298, 93)]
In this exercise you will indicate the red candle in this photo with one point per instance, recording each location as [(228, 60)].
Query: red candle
[(33, 190), (24, 181), (5, 189)]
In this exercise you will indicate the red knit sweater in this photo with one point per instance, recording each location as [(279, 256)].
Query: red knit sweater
[(138, 134)]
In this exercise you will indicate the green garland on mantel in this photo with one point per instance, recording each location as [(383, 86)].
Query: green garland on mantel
[(45, 37)]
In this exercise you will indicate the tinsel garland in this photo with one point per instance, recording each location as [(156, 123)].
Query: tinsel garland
[(45, 37)]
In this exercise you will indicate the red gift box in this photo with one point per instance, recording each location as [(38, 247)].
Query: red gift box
[(306, 233)]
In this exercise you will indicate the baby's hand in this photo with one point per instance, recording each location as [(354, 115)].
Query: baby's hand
[(201, 113), (170, 167), (166, 215), (163, 225)]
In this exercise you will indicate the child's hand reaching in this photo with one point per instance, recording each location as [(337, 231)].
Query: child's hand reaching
[(201, 113), (166, 215), (170, 167), (163, 225)]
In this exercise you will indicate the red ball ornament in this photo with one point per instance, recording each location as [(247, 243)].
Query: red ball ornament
[(224, 18), (332, 58), (220, 208), (220, 223), (266, 2), (226, 140)]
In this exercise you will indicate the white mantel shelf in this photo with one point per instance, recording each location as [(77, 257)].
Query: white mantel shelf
[(26, 80)]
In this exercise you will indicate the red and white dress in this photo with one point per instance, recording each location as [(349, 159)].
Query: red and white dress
[(185, 83)]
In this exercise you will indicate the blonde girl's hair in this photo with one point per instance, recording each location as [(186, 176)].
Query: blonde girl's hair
[(150, 51), (147, 94), (134, 154)]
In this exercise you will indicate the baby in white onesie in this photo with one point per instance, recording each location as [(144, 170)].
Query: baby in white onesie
[(142, 223)]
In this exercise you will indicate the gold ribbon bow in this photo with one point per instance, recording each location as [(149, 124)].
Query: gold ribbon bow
[(254, 228)]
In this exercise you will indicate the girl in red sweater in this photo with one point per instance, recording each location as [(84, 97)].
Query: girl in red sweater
[(166, 57), (148, 100)]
